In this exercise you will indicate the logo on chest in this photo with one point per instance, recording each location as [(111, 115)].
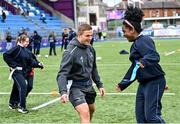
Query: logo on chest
[(82, 59)]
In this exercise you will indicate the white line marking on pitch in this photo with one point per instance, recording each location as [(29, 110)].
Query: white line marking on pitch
[(115, 64), (130, 94), (169, 53)]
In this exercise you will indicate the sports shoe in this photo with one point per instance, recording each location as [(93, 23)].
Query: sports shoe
[(22, 110), (13, 106)]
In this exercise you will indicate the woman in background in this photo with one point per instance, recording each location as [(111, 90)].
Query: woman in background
[(52, 41), (64, 39)]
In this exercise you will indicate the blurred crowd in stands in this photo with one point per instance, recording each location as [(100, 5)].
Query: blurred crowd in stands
[(52, 40)]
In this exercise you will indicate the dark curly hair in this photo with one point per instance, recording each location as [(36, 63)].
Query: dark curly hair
[(134, 15)]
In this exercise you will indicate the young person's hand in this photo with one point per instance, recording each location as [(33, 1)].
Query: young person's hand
[(141, 65), (41, 66), (118, 89), (166, 87)]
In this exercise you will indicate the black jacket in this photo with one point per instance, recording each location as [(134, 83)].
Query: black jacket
[(143, 50), (78, 63), (21, 57), (37, 39)]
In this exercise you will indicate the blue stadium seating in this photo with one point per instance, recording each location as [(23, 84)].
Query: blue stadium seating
[(31, 23)]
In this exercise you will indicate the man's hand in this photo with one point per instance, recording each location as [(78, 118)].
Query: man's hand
[(118, 89), (102, 91), (64, 98)]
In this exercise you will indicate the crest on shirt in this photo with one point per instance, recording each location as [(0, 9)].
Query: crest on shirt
[(81, 59)]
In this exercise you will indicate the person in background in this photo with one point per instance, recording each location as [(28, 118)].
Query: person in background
[(64, 39), (104, 35), (8, 41), (52, 41), (20, 59), (79, 65), (93, 37), (92, 41), (99, 33), (22, 31), (30, 73), (37, 43), (145, 69), (71, 34), (43, 18), (30, 70), (3, 16), (31, 42)]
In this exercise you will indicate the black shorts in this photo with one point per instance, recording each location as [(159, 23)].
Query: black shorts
[(81, 95)]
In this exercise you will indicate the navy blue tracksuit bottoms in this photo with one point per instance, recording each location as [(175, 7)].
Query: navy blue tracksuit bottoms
[(19, 90), (148, 101)]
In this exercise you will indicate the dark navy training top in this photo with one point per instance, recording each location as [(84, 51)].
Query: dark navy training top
[(143, 50)]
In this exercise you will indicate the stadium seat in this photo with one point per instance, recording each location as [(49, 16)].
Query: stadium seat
[(32, 21)]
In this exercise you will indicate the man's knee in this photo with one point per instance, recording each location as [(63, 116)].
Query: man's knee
[(84, 112), (83, 109)]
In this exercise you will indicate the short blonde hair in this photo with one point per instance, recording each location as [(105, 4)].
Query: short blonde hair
[(84, 27)]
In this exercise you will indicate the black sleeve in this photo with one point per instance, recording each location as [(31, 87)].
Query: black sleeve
[(95, 75), (65, 68)]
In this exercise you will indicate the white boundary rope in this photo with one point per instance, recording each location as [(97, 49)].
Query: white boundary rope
[(46, 104), (169, 53), (109, 94)]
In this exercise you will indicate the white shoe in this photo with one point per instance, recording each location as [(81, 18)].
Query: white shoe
[(22, 110), (38, 55)]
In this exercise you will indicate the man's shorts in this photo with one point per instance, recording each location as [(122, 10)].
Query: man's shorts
[(79, 95)]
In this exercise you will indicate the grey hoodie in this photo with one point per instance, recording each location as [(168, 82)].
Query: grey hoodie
[(78, 64)]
